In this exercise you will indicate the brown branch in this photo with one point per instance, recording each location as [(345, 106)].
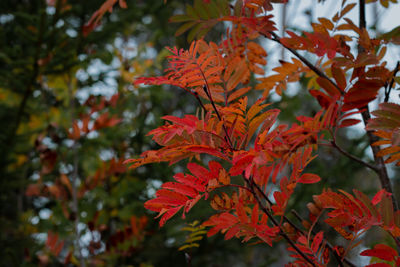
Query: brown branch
[(347, 154), (388, 90), (196, 95), (381, 167)]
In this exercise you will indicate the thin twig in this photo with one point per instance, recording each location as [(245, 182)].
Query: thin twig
[(196, 95), (347, 154), (388, 90)]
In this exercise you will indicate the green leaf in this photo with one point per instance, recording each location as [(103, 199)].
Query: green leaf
[(185, 27), (180, 18)]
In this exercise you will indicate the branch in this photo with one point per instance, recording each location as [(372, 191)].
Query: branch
[(381, 167), (388, 90), (29, 88), (347, 154), (196, 95)]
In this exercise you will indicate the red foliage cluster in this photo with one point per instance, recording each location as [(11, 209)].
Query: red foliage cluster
[(245, 143)]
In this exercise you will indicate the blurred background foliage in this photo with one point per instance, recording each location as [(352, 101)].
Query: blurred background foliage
[(70, 116)]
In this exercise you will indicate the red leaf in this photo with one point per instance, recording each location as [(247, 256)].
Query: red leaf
[(323, 100), (181, 188), (167, 215), (57, 249), (309, 178), (51, 239), (378, 197), (317, 241), (191, 181), (98, 14), (199, 171), (348, 122), (232, 232), (381, 264), (381, 251), (33, 190)]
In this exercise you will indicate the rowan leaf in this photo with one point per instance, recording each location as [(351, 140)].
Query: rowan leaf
[(381, 251), (309, 178), (339, 76), (348, 122), (317, 241)]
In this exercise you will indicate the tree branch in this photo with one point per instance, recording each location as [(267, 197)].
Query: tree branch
[(29, 88), (388, 90), (347, 154), (381, 167)]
